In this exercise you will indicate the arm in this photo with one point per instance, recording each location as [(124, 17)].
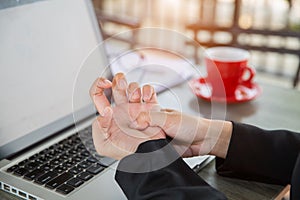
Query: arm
[(243, 151), (261, 155), (191, 135), (174, 181), (142, 177)]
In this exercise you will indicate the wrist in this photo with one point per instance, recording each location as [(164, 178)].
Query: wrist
[(220, 132)]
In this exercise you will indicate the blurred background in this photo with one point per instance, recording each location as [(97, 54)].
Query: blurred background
[(269, 29)]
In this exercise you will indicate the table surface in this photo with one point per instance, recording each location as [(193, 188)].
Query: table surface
[(236, 189), (275, 108)]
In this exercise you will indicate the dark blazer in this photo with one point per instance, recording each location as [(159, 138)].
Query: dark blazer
[(253, 154)]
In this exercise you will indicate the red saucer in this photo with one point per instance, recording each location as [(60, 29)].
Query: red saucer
[(202, 88)]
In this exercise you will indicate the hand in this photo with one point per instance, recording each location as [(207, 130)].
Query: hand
[(192, 136), (111, 133)]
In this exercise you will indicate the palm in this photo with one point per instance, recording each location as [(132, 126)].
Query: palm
[(122, 139)]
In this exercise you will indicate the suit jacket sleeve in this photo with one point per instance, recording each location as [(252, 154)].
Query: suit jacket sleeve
[(262, 155), (162, 174)]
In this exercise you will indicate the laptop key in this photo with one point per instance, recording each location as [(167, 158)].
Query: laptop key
[(60, 148), (73, 151), (92, 159), (95, 169), (55, 162), (64, 156), (59, 169), (48, 156), (54, 183), (37, 162), (75, 182), (65, 189), (12, 168), (45, 167), (42, 159), (85, 176), (46, 177), (34, 174), (21, 171), (66, 146), (61, 159), (32, 165), (69, 163), (80, 147), (85, 153), (78, 158), (53, 153), (76, 170), (33, 157), (85, 164), (22, 163)]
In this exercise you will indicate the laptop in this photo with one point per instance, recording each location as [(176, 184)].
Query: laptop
[(49, 59)]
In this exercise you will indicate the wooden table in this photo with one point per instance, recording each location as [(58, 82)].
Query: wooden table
[(236, 189), (275, 108)]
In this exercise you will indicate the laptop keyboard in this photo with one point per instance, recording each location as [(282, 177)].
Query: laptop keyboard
[(64, 166)]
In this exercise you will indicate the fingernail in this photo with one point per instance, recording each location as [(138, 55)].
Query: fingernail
[(106, 81), (101, 82), (136, 94), (122, 84)]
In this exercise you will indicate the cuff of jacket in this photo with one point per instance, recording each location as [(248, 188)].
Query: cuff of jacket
[(161, 175), (251, 153), (149, 156)]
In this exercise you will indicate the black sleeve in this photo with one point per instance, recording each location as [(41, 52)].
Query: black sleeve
[(161, 174), (260, 155)]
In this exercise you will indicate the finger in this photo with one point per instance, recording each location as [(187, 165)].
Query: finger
[(134, 93), (119, 86), (153, 118), (104, 122), (99, 138), (149, 95), (97, 93)]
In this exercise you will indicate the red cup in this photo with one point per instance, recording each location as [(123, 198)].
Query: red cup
[(226, 70)]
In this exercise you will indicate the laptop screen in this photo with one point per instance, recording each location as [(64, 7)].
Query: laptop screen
[(48, 60)]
